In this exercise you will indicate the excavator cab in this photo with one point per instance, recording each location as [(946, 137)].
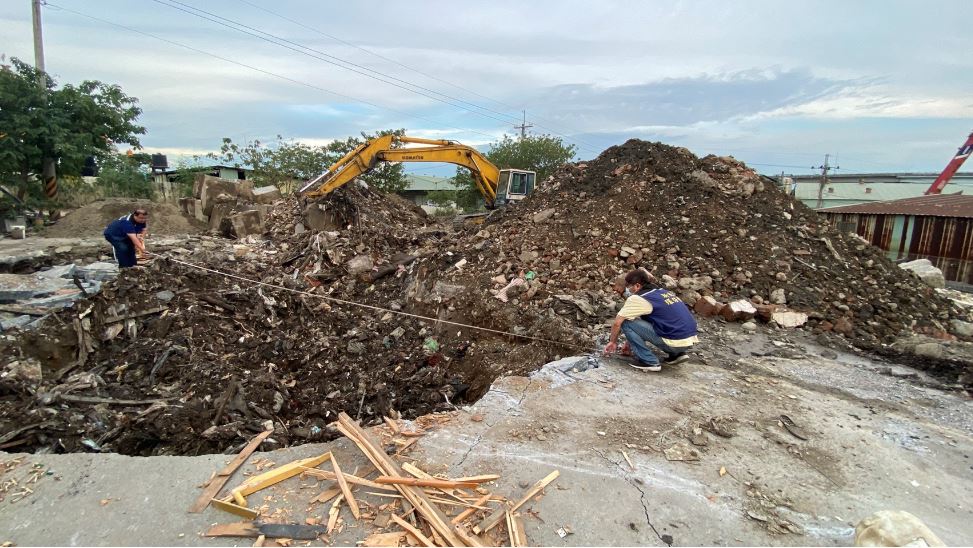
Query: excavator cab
[(514, 185)]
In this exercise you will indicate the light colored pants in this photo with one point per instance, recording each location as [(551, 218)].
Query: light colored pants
[(640, 332)]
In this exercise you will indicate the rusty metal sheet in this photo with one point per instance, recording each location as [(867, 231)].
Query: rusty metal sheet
[(934, 205)]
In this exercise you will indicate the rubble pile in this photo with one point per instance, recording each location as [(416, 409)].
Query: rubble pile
[(708, 228), (230, 208), (176, 360), (322, 310)]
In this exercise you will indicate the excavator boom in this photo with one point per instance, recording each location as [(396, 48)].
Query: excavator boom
[(952, 167), (385, 149)]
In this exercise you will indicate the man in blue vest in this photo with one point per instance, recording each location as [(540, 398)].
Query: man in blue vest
[(656, 316), (125, 236)]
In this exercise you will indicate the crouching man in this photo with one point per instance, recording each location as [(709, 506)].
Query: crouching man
[(652, 315)]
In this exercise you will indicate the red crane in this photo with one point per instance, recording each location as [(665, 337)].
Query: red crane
[(952, 167)]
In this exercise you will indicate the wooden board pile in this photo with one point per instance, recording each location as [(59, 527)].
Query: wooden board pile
[(423, 510)]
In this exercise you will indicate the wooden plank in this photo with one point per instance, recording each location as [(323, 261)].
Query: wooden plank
[(356, 480), (415, 496), (212, 489), (517, 525), (260, 540), (496, 517), (479, 479), (345, 490), (423, 539), (511, 531), (333, 513), (470, 511), (470, 540), (386, 540), (393, 425), (327, 494), (236, 529), (437, 483), (241, 511), (276, 475)]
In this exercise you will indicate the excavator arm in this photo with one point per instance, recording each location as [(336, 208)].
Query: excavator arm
[(383, 149)]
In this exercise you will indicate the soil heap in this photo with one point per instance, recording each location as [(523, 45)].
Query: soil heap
[(91, 220)]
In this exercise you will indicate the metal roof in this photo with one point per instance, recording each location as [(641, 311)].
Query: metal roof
[(934, 205), (428, 183)]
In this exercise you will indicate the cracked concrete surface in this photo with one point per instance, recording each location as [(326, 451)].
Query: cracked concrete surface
[(875, 442)]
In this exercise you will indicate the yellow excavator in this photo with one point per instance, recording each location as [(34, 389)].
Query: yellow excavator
[(498, 186)]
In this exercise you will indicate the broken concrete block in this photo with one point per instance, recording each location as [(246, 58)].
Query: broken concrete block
[(318, 219), (57, 272), (765, 311), (706, 306), (19, 287), (359, 264), (266, 194), (15, 322), (212, 188), (738, 311), (219, 218), (18, 232), (929, 274), (544, 215), (246, 223), (99, 271), (186, 205), (788, 318), (894, 528), (929, 350), (961, 328), (198, 211), (778, 296), (11, 222), (697, 283)]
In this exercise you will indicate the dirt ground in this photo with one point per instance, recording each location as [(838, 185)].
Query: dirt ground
[(879, 436), (91, 220)]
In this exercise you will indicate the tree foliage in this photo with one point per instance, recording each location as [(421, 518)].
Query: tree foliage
[(66, 124), (288, 160), (540, 153)]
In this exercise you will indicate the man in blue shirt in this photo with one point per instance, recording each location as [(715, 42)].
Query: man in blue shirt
[(656, 316), (124, 235)]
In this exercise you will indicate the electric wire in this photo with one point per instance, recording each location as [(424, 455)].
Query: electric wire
[(265, 72)]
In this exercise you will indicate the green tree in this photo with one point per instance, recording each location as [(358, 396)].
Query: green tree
[(288, 160), (540, 153), (124, 175), (66, 124)]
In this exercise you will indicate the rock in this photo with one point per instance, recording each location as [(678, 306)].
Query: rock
[(961, 328), (749, 326), (398, 332), (16, 321), (843, 325), (528, 257), (829, 354), (499, 279), (584, 306), (626, 251), (355, 347), (765, 312), (740, 310), (932, 350), (25, 370), (788, 318), (63, 249), (690, 297), (778, 296), (299, 229), (544, 215), (696, 283), (266, 194), (165, 295), (706, 306), (929, 274), (894, 528), (359, 264)]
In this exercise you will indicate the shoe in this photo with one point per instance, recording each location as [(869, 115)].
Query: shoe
[(642, 366), (676, 358)]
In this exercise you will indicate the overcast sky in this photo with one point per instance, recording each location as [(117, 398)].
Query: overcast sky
[(884, 86)]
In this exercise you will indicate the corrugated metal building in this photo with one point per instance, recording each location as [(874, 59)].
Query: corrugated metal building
[(935, 227)]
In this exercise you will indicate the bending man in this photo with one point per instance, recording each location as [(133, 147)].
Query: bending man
[(124, 235), (652, 315)]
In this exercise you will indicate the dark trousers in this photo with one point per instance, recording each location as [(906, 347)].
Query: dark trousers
[(124, 252)]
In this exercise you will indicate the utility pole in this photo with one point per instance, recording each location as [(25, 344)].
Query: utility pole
[(48, 167), (824, 179), (523, 127)]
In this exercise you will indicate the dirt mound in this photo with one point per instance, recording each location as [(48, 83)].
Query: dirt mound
[(91, 220), (702, 226)]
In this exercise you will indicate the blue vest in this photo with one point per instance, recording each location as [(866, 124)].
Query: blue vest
[(670, 317)]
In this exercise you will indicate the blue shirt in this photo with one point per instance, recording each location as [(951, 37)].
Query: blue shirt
[(120, 228), (670, 316)]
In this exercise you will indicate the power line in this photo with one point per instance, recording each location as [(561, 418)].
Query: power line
[(382, 77), (380, 56), (266, 72)]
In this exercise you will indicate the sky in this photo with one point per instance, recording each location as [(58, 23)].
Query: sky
[(879, 86)]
